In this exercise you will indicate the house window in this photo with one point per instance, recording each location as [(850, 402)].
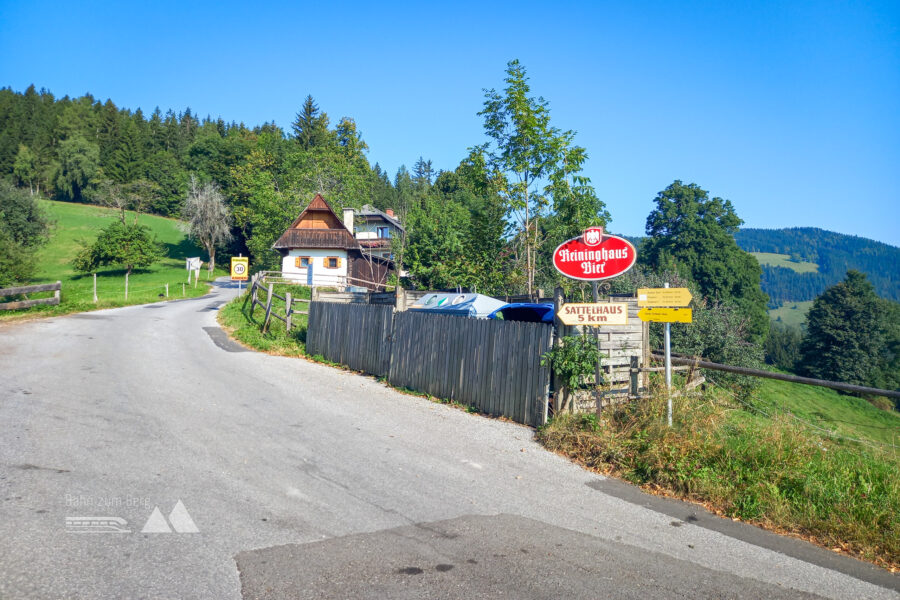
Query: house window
[(332, 262), (384, 232), (302, 261)]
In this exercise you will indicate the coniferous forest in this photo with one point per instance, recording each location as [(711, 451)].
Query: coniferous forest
[(834, 253)]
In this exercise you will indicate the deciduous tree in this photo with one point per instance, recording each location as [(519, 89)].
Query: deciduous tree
[(527, 149), (25, 167), (127, 245), (23, 229), (78, 162), (208, 218), (694, 234)]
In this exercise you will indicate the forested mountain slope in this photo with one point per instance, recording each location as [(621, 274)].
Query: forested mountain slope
[(834, 253)]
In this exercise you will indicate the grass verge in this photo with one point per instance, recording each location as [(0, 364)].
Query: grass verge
[(770, 472), (245, 327), (244, 324), (74, 223), (841, 414)]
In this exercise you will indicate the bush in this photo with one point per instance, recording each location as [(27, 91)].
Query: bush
[(23, 229)]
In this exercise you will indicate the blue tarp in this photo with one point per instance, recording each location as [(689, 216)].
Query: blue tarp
[(525, 311), (452, 303)]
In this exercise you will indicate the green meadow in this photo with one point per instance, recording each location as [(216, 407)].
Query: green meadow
[(791, 313), (784, 260), (74, 224)]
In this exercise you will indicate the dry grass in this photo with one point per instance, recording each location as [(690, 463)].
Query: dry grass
[(765, 471)]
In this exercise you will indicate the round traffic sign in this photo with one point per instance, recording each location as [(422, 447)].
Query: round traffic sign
[(239, 268)]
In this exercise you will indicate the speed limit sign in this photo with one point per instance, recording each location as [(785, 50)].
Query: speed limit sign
[(239, 268)]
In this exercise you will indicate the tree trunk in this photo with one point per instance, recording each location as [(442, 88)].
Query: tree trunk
[(529, 270), (211, 250)]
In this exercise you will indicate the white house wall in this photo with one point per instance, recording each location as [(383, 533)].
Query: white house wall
[(320, 274)]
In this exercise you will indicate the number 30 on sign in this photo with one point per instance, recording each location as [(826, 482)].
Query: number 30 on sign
[(239, 268)]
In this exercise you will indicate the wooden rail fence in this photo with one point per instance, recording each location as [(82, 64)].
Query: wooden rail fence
[(257, 284), (56, 288), (700, 363), (491, 365)]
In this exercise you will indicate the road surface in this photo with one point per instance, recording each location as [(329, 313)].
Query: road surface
[(143, 455)]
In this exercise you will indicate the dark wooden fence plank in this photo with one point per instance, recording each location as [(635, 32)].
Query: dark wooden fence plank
[(491, 365)]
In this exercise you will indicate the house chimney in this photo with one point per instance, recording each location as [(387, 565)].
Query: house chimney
[(348, 220), (389, 212)]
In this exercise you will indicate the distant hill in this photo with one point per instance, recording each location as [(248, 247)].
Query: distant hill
[(833, 253)]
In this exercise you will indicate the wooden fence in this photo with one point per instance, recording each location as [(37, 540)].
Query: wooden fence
[(493, 366), (30, 289), (351, 334), (259, 283)]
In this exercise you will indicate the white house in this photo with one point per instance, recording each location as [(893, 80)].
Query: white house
[(374, 229), (318, 249)]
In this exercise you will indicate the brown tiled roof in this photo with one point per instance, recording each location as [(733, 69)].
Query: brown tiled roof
[(305, 237), (315, 238)]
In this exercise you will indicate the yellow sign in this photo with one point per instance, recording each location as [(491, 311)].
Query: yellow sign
[(663, 296), (666, 315), (593, 315), (240, 268)]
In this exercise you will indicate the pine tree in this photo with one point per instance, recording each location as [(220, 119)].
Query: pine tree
[(310, 127), (845, 337), (127, 161)]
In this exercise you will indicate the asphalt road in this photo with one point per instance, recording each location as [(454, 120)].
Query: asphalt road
[(296, 480)]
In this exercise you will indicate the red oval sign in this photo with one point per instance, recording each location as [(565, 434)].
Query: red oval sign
[(610, 258)]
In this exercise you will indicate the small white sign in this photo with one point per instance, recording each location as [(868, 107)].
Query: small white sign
[(193, 264)]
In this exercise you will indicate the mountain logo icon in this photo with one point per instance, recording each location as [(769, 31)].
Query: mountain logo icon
[(180, 520)]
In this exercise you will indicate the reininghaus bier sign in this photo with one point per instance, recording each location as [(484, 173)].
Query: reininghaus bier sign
[(594, 256)]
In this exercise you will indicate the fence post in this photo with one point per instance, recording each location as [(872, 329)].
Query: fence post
[(268, 307), (634, 376), (288, 310), (95, 287), (56, 292), (183, 293), (167, 290), (559, 329)]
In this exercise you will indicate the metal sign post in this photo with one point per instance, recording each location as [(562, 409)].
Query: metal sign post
[(668, 371), (595, 292), (665, 305)]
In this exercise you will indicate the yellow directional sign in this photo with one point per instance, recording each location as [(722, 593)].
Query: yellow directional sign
[(666, 315), (663, 297), (593, 315), (240, 268)]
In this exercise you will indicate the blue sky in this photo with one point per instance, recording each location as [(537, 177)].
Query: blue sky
[(789, 110)]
